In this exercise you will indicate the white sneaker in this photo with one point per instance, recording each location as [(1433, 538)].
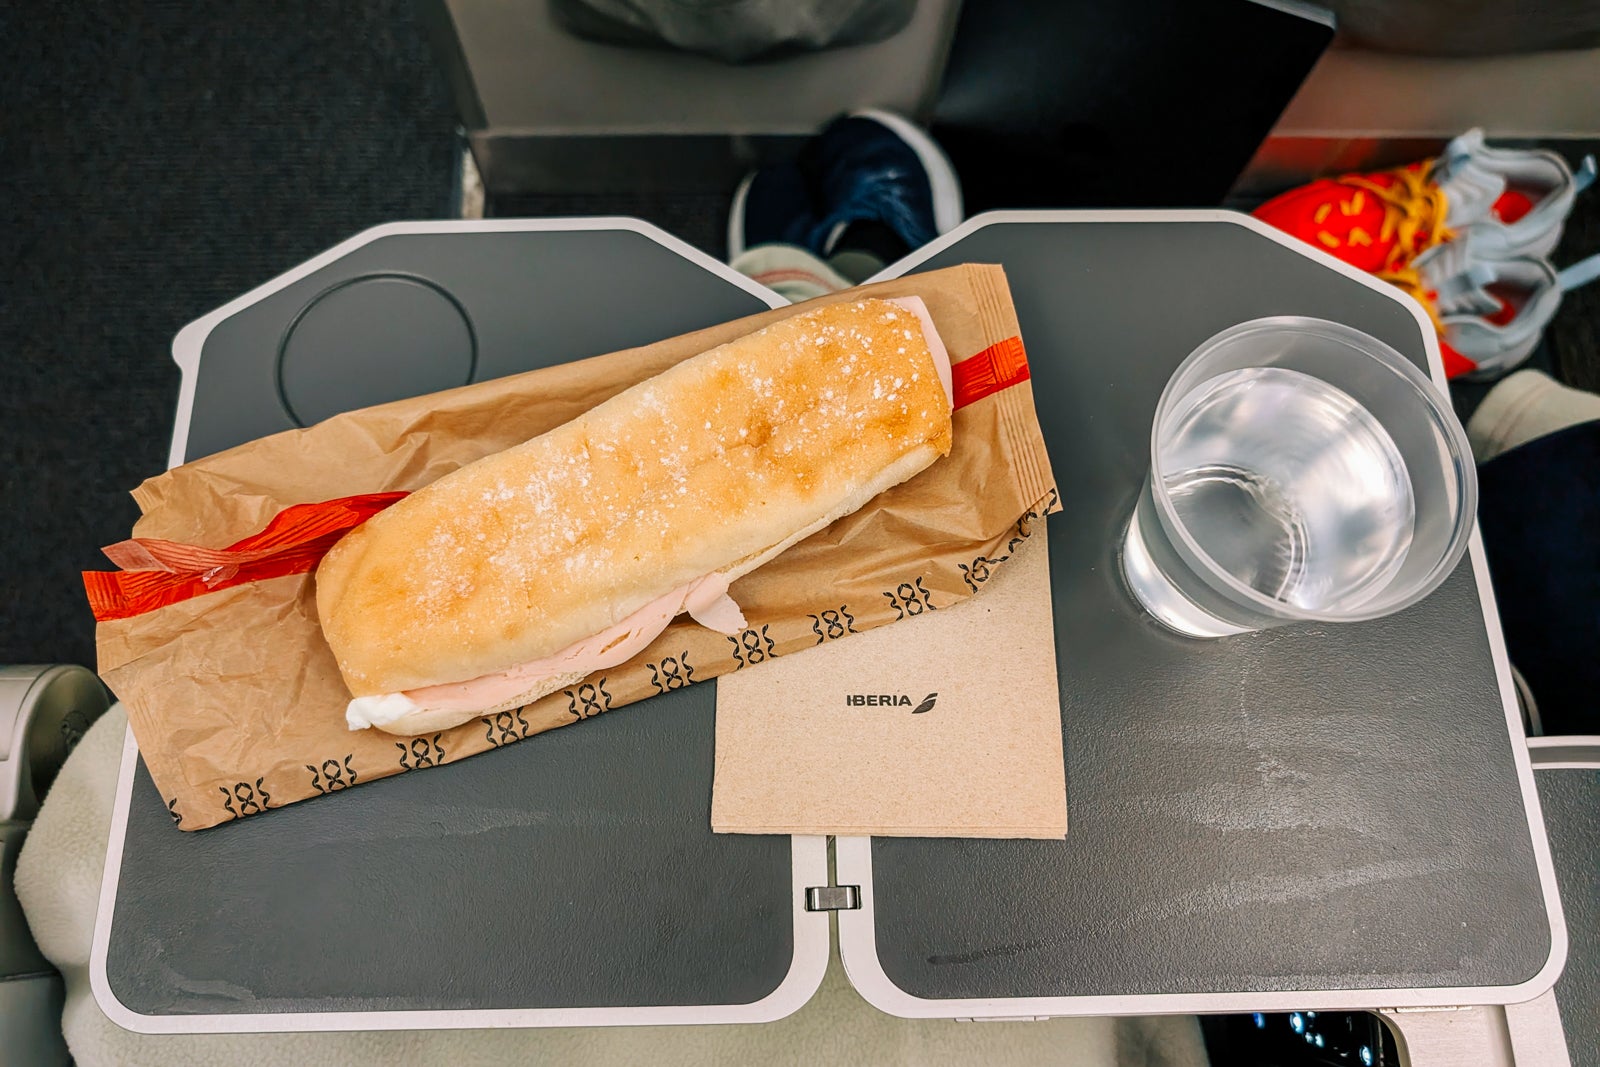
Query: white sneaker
[(1490, 312), (1515, 200)]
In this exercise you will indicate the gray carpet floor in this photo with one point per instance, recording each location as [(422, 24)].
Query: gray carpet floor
[(158, 158), (1574, 334)]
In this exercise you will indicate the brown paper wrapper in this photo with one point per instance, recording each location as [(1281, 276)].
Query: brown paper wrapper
[(236, 701)]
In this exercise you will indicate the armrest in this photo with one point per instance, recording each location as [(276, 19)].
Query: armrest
[(19, 957), (44, 710), (31, 992)]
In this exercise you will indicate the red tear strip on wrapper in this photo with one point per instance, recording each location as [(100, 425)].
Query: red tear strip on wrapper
[(158, 573), (1000, 366)]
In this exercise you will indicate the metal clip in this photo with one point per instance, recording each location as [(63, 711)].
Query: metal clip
[(833, 897)]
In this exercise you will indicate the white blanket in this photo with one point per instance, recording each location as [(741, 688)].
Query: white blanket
[(58, 881)]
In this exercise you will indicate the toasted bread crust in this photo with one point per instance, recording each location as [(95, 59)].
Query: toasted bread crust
[(710, 464)]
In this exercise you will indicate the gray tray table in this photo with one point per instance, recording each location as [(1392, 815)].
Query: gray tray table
[(571, 881), (1568, 772), (1312, 817), (1315, 817)]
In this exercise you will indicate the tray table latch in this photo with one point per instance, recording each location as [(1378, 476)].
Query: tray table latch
[(833, 898)]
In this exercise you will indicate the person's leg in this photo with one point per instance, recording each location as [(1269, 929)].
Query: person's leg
[(864, 192), (1537, 443), (1526, 405), (1539, 512), (790, 271), (878, 182)]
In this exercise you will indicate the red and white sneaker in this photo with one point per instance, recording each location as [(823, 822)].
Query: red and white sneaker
[(1375, 222), (1490, 313), (1515, 201), (1465, 234)]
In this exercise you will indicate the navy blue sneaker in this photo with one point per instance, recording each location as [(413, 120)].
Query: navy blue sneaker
[(771, 206), (876, 168)]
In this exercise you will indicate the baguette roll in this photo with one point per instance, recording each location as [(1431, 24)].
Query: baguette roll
[(520, 574)]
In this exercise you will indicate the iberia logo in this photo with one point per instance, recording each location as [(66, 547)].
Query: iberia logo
[(889, 700)]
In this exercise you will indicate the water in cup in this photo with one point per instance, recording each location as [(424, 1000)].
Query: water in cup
[(1289, 485), (1300, 470)]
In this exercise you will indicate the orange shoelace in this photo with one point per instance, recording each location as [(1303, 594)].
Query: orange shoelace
[(1414, 214)]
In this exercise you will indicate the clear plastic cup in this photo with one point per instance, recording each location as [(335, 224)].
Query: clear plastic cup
[(1300, 470)]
